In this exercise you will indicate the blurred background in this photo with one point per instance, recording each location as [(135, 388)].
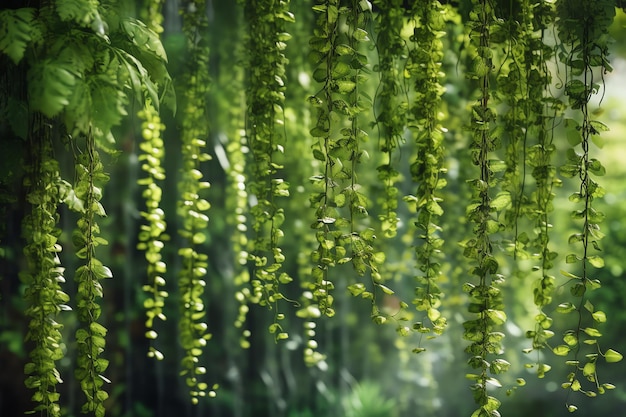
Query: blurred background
[(369, 369)]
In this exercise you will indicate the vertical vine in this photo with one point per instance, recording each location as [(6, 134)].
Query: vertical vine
[(485, 296), (391, 111), (237, 201), (512, 32), (192, 207), (538, 104), (341, 69), (583, 27), (360, 239), (44, 275), (328, 253), (90, 336), (152, 235), (264, 120), (424, 67)]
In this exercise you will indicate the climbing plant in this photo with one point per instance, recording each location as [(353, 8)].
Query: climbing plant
[(367, 110)]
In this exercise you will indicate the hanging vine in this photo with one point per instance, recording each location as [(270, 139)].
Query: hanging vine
[(237, 202), (583, 26), (485, 296), (540, 110), (424, 67), (192, 207), (90, 336), (264, 120), (44, 276), (152, 235), (513, 32), (391, 110), (81, 63)]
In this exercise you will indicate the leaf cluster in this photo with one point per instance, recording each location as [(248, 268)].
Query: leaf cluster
[(66, 77)]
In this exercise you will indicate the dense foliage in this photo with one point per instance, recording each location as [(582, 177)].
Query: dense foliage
[(293, 197)]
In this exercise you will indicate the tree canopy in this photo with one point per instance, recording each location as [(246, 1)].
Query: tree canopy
[(280, 207)]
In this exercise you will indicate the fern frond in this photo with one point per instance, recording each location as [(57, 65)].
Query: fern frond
[(16, 32)]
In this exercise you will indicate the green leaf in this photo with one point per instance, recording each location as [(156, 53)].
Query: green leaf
[(596, 261), (599, 316), (102, 271), (385, 289), (50, 85), (589, 369), (83, 12), (592, 332), (143, 37), (501, 201), (612, 356), (345, 86), (16, 32), (561, 350)]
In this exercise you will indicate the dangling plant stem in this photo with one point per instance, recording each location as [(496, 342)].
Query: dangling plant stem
[(424, 66), (513, 33), (537, 106), (360, 239), (485, 296), (391, 112), (44, 276), (90, 337), (152, 235), (582, 26), (323, 50), (266, 140), (192, 207), (237, 202)]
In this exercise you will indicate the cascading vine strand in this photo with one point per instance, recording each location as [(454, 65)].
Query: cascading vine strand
[(512, 33), (540, 110), (237, 202), (582, 27), (350, 102), (424, 67), (192, 206), (485, 296), (266, 140), (152, 234), (391, 111), (44, 275), (341, 69), (317, 299), (90, 336)]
